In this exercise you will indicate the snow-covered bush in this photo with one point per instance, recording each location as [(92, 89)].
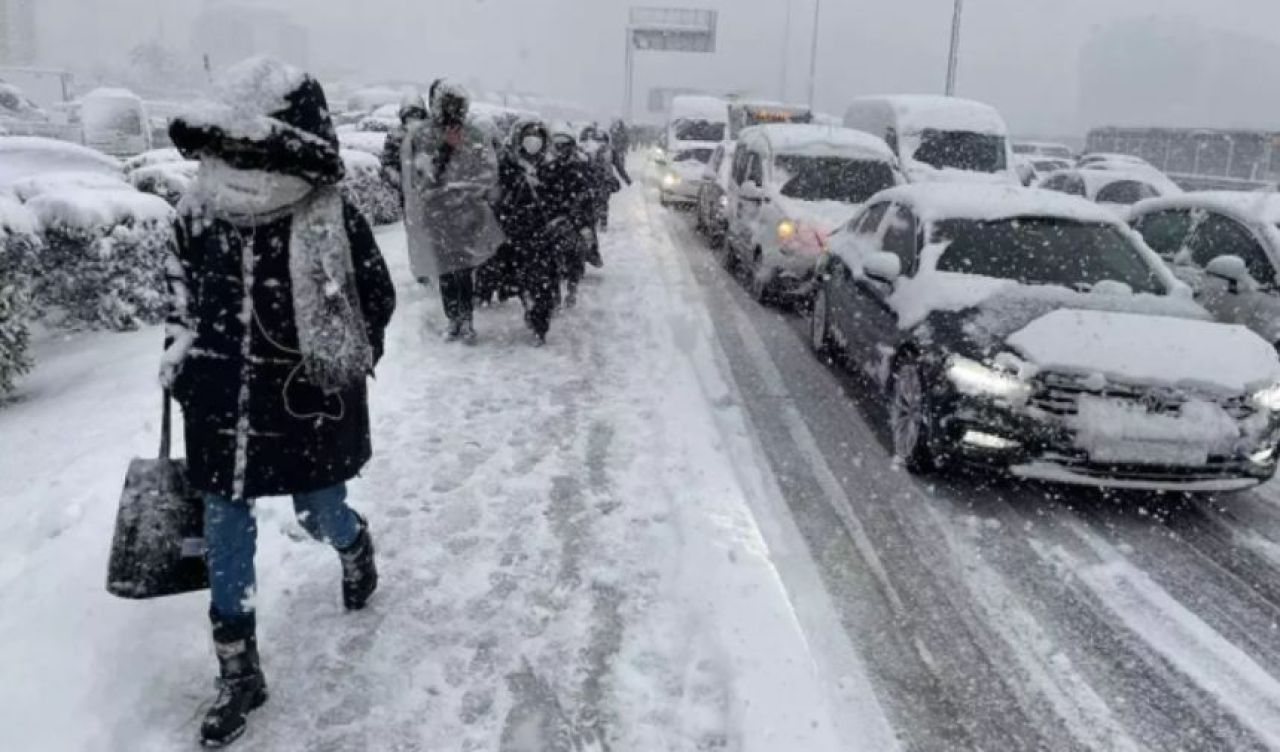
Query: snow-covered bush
[(369, 143), (168, 180), (103, 259), (19, 260), (365, 188)]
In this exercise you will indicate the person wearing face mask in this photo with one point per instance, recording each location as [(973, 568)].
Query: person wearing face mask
[(525, 217), (279, 300), (412, 110), (450, 172), (570, 197)]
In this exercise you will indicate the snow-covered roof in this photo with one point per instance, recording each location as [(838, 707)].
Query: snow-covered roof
[(1096, 180), (917, 112), (934, 202), (23, 156), (790, 138), (693, 106), (111, 93), (1262, 207)]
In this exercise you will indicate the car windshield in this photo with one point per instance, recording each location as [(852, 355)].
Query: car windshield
[(699, 130), (851, 181), (1044, 251), (961, 150), (695, 155)]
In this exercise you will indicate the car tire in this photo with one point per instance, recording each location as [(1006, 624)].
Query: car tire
[(911, 419), (820, 339)]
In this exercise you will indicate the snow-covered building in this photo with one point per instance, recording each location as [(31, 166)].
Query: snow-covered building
[(229, 32)]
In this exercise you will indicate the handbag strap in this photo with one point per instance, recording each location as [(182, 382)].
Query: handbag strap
[(164, 426)]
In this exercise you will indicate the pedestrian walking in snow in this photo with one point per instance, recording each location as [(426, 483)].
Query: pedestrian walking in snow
[(605, 181), (412, 110), (526, 219), (451, 179), (279, 300), (568, 192), (620, 138)]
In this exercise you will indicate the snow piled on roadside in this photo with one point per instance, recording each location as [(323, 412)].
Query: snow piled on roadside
[(569, 561)]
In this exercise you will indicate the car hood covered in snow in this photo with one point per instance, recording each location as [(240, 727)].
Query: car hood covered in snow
[(1151, 350), (822, 216)]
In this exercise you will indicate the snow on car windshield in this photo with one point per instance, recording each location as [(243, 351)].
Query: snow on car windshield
[(699, 130), (851, 181), (1045, 251), (961, 150)]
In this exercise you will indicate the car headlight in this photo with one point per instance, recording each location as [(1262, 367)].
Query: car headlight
[(724, 202), (1268, 399), (973, 378), (671, 180), (786, 230)]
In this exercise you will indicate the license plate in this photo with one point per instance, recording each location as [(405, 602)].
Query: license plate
[(1149, 453)]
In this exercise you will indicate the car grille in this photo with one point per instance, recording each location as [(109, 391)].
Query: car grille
[(1059, 395)]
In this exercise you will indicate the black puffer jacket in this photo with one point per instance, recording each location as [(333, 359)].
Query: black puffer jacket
[(296, 437), (522, 208), (569, 190)]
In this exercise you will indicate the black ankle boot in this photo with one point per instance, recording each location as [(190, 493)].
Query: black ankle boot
[(359, 571), (241, 687)]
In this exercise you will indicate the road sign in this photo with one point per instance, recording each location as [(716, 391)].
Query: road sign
[(667, 30)]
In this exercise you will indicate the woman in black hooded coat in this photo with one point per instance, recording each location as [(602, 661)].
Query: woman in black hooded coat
[(279, 301), (525, 216)]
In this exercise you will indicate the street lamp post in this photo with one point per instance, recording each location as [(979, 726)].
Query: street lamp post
[(953, 60), (786, 53), (813, 53)]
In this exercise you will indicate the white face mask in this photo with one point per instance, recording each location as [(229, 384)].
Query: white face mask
[(532, 144)]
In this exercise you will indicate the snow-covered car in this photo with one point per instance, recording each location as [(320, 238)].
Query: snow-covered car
[(1226, 246), (30, 156), (1114, 189), (167, 180), (1096, 158), (938, 138), (382, 120), (791, 185), (115, 122), (713, 195), (1034, 149), (1046, 165), (681, 173), (1033, 332), (1026, 171), (365, 141)]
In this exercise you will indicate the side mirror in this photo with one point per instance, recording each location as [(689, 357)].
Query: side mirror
[(883, 267), (1232, 269)]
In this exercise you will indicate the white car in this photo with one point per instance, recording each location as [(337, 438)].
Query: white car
[(790, 186), (1117, 190), (1226, 246), (1033, 332), (713, 198), (1114, 159), (1036, 149), (682, 171)]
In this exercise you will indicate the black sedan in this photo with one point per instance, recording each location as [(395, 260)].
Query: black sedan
[(1031, 331)]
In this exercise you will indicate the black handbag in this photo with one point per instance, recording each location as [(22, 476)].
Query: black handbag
[(158, 548)]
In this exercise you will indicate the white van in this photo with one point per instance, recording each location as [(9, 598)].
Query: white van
[(792, 186), (115, 122), (696, 127), (939, 138)]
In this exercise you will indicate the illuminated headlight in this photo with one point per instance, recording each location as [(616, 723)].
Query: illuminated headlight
[(724, 202), (1268, 399), (786, 230), (989, 441), (670, 180), (1263, 457), (973, 378)]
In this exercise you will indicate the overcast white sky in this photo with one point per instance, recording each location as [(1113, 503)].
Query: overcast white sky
[(1020, 55)]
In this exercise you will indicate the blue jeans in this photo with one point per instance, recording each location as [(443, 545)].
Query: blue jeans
[(231, 540)]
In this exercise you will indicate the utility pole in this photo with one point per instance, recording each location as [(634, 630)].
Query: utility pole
[(786, 53), (953, 61), (813, 53)]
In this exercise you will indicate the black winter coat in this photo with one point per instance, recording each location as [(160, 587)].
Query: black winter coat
[(244, 389), (569, 190), (521, 209)]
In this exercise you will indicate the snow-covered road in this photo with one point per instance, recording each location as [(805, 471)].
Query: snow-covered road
[(581, 550), (671, 529), (1002, 616)]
